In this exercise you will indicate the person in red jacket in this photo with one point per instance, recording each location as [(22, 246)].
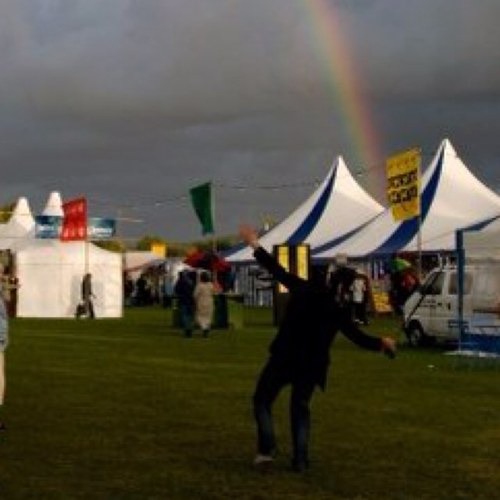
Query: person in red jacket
[(299, 353)]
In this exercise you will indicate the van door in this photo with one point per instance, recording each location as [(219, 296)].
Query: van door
[(446, 303), (431, 291)]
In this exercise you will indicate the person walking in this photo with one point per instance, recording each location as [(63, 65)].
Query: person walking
[(204, 302), (299, 353), (183, 290), (4, 340), (88, 295)]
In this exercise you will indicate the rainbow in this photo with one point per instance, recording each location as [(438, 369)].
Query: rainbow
[(344, 81)]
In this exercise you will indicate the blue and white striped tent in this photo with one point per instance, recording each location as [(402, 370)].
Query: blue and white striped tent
[(451, 198), (336, 209)]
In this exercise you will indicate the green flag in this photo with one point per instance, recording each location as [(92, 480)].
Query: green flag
[(201, 198)]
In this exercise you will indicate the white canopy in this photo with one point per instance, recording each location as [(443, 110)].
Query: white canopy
[(451, 198), (50, 273), (336, 209)]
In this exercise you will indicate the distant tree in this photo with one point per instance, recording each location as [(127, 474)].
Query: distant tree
[(6, 211), (114, 245), (180, 249), (145, 242)]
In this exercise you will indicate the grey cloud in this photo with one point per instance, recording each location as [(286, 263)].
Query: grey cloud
[(135, 101)]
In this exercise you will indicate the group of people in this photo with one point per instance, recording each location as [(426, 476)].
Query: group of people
[(195, 297), (298, 355)]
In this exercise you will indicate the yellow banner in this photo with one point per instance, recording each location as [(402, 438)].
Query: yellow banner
[(302, 261), (284, 261), (403, 184)]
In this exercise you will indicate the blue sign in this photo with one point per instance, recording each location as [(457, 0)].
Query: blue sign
[(100, 228), (47, 226)]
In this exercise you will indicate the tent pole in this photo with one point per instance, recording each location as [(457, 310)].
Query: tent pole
[(419, 248), (86, 255)]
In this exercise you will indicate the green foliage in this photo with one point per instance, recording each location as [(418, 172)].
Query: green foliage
[(129, 409), (113, 245), (6, 212)]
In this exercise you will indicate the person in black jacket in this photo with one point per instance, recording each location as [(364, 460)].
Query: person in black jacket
[(299, 353), (88, 295)]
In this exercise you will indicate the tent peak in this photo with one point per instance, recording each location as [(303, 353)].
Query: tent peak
[(54, 204), (447, 147), (22, 207)]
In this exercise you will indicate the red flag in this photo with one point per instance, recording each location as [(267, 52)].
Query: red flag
[(74, 225)]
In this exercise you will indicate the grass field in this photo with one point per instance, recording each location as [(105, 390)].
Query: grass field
[(128, 409)]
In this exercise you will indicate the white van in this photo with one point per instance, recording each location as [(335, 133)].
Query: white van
[(431, 312)]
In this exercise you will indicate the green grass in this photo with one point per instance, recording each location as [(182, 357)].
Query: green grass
[(128, 409)]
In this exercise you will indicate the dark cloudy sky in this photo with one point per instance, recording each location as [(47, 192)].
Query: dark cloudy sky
[(133, 102)]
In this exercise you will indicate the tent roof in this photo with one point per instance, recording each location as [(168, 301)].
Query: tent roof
[(136, 260), (451, 198), (335, 209), (482, 241)]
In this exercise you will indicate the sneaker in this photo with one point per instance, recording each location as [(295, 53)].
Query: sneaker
[(263, 462)]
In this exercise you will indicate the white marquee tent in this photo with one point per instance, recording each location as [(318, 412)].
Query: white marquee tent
[(337, 209), (50, 271), (451, 198)]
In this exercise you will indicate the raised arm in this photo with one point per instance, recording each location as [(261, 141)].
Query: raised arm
[(385, 344), (266, 260)]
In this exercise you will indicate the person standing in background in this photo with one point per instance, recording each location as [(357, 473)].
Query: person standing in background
[(87, 295), (4, 340), (204, 302), (183, 289), (359, 292)]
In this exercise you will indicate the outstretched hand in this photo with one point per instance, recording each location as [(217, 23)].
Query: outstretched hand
[(389, 347), (249, 235)]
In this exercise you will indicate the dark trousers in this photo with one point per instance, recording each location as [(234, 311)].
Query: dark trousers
[(272, 379), (89, 306), (186, 313)]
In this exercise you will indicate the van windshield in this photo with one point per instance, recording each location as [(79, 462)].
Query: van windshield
[(434, 283)]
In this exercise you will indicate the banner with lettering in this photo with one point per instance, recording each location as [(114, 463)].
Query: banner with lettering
[(74, 225), (403, 184), (47, 226)]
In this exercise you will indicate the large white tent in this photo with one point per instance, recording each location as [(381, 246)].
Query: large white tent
[(335, 210), (451, 198), (50, 271)]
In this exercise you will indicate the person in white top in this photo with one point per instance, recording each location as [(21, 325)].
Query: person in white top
[(204, 303), (359, 291)]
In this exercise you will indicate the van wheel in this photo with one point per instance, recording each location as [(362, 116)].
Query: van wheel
[(415, 335)]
